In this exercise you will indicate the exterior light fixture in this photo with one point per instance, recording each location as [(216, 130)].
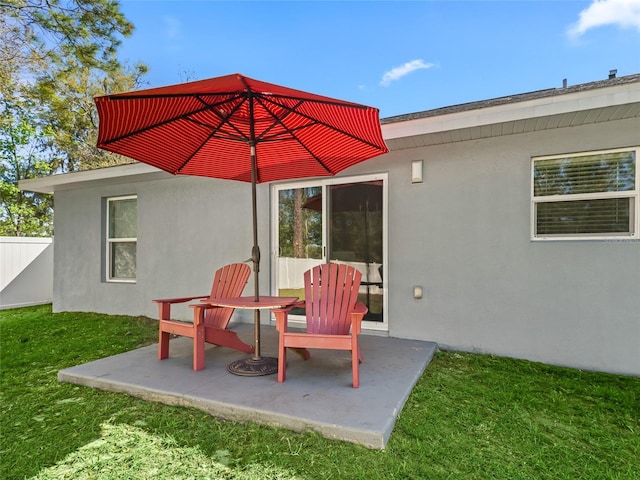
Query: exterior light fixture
[(416, 171)]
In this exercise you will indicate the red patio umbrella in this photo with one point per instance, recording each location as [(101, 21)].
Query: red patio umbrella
[(234, 127)]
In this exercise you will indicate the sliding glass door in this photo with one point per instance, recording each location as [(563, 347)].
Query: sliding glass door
[(337, 220)]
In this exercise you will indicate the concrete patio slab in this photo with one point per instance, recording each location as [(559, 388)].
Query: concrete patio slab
[(317, 394)]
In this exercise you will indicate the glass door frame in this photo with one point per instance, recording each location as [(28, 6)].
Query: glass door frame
[(325, 183)]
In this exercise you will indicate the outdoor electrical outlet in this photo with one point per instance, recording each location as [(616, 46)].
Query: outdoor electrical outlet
[(417, 292)]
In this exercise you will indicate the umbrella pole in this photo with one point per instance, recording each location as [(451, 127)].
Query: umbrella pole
[(255, 252), (257, 365)]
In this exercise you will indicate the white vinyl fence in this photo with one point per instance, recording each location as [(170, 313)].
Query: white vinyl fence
[(26, 271), (291, 272)]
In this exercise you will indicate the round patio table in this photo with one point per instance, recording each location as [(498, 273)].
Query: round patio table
[(257, 365)]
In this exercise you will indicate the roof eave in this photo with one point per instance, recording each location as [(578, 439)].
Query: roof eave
[(101, 176), (576, 101)]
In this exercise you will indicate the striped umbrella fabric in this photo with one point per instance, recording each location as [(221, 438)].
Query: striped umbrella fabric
[(204, 128)]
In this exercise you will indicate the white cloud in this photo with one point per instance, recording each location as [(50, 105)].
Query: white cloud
[(173, 34), (173, 27), (398, 72), (623, 13)]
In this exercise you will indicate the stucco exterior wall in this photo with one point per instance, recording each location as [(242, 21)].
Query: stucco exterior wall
[(464, 235), (187, 227)]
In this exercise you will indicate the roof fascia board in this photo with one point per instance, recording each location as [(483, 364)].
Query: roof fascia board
[(127, 173), (541, 107)]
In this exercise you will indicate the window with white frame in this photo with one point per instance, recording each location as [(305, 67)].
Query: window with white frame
[(122, 227), (590, 195)]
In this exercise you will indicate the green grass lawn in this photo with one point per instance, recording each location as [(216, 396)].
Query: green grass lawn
[(469, 417)]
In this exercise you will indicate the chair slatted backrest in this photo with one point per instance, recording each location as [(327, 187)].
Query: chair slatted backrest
[(229, 281), (331, 292)]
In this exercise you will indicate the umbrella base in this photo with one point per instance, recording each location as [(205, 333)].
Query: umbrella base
[(254, 367)]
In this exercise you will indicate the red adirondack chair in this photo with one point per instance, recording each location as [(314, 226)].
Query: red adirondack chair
[(209, 322), (334, 316)]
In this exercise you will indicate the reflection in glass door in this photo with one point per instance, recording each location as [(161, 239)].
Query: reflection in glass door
[(355, 237), (345, 227), (299, 239)]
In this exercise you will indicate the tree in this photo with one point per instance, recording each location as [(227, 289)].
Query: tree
[(63, 33), (55, 56), (298, 248), (300, 229), (61, 54), (69, 110), (22, 148)]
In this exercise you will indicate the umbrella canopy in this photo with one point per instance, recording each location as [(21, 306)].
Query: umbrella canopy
[(350, 197), (203, 128), (234, 127)]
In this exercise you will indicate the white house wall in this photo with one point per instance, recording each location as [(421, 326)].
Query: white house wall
[(464, 235), (187, 228)]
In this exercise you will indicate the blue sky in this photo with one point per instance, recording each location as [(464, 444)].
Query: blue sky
[(398, 56)]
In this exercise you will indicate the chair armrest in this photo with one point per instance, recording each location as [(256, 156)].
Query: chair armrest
[(357, 314), (300, 304), (178, 300), (164, 305), (282, 315), (204, 305), (360, 309)]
